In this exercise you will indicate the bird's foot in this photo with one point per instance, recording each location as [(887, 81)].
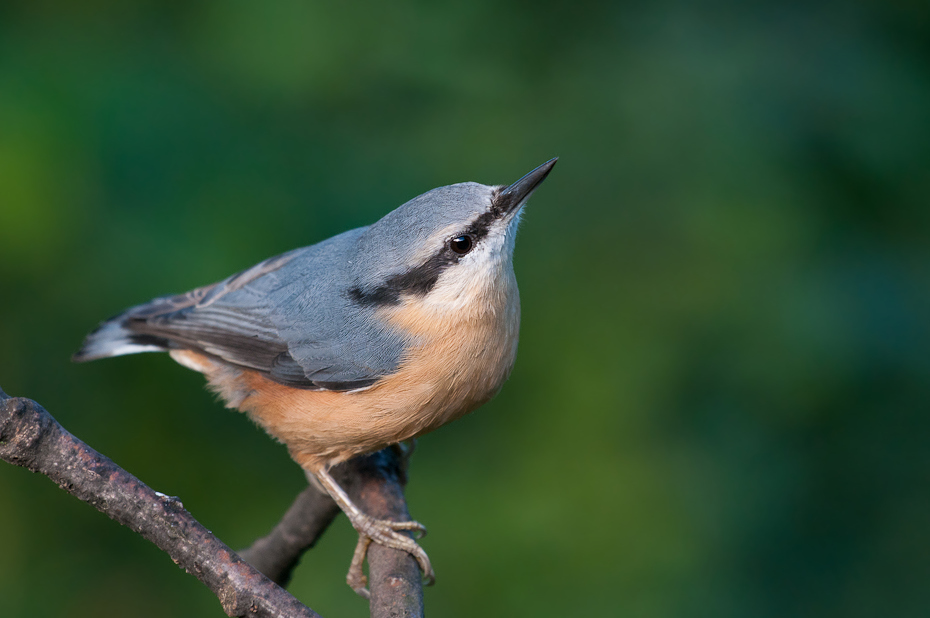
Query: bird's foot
[(389, 534), (381, 531)]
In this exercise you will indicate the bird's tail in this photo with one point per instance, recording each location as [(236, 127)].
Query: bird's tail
[(114, 338), (128, 332)]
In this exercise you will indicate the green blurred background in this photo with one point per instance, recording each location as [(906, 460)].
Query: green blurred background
[(720, 405)]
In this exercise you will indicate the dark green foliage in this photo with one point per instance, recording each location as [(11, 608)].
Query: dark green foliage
[(720, 405)]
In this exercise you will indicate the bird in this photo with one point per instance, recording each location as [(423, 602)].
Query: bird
[(370, 338)]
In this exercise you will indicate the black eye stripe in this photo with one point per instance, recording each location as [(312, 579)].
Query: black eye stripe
[(421, 279), (481, 225)]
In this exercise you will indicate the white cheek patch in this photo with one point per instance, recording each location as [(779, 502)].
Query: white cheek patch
[(471, 282), (510, 234)]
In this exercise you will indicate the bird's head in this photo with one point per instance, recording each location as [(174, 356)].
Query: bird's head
[(450, 247)]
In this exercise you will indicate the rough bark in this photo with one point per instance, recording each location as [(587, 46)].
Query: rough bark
[(303, 524)]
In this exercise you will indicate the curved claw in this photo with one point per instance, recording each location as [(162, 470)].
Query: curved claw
[(356, 575)]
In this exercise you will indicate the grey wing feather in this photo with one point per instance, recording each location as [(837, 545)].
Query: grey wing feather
[(334, 339), (259, 319)]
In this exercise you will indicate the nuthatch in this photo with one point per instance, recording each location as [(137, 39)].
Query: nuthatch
[(375, 336)]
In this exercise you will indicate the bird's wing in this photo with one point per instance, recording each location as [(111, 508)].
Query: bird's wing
[(235, 321)]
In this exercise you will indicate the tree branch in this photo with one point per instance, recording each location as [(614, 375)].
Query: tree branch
[(31, 438), (375, 483), (303, 524)]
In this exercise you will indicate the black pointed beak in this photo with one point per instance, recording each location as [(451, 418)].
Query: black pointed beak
[(509, 199)]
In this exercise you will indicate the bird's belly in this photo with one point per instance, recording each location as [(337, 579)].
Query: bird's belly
[(438, 381), (432, 388)]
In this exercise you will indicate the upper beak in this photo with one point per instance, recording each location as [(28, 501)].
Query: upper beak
[(511, 198)]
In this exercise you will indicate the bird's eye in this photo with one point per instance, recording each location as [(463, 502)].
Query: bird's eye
[(462, 244)]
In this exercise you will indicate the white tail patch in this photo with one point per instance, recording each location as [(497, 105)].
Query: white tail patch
[(132, 348), (111, 339)]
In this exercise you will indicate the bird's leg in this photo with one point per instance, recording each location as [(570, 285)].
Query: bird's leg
[(385, 532)]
